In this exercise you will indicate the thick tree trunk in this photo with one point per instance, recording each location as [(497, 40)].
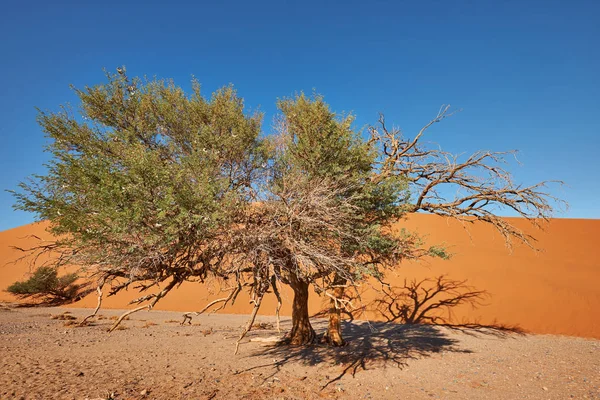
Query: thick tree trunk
[(302, 332), (333, 336)]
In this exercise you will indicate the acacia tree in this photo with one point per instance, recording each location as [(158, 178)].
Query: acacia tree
[(325, 214), (333, 198), (149, 187), (144, 181)]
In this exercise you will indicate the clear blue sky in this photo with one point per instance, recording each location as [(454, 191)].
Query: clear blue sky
[(524, 72)]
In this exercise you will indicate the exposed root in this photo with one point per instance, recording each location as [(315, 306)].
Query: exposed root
[(300, 336)]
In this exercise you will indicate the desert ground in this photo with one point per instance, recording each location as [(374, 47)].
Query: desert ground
[(46, 356)]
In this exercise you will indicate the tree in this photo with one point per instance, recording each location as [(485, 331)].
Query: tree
[(320, 218), (326, 216), (45, 284), (149, 188), (144, 182)]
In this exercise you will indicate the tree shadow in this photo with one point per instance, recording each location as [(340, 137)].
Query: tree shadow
[(419, 322), (431, 301), (369, 345)]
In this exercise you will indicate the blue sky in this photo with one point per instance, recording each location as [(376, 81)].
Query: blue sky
[(525, 73)]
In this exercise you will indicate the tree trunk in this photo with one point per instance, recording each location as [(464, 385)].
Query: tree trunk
[(302, 332), (333, 336)]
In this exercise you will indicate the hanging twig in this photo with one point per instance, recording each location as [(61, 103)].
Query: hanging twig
[(257, 303)]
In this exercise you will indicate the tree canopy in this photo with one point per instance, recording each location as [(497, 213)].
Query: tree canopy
[(144, 178)]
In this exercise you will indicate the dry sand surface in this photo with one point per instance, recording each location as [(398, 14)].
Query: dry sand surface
[(154, 357), (555, 291)]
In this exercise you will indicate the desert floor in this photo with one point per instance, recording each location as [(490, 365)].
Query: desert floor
[(154, 357)]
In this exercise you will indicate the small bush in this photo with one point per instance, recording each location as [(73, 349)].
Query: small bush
[(45, 284)]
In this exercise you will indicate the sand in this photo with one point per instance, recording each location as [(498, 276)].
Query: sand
[(554, 291), (154, 357)]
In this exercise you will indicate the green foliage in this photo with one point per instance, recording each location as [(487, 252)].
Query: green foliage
[(145, 174), (440, 252), (320, 148), (45, 283), (319, 144)]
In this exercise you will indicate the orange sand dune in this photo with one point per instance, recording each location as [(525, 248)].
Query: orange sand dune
[(556, 291)]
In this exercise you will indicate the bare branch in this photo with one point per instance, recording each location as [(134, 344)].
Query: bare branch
[(250, 322), (481, 182), (99, 291), (156, 297), (187, 317)]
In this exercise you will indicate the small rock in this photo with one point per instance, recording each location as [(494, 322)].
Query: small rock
[(544, 388), (144, 392)]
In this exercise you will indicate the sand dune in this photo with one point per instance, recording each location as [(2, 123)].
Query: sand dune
[(555, 291)]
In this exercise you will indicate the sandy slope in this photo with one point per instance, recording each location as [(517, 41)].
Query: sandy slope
[(555, 291), (155, 358)]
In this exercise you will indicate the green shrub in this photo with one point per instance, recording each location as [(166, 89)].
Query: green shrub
[(45, 284)]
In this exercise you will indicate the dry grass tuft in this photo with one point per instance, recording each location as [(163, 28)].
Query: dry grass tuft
[(64, 317), (267, 326), (116, 317)]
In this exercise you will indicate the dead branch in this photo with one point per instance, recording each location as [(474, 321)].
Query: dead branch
[(101, 283), (481, 182), (149, 307), (278, 295), (187, 317), (257, 303)]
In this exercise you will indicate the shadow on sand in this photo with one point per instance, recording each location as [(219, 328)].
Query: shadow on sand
[(415, 328), (378, 344)]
